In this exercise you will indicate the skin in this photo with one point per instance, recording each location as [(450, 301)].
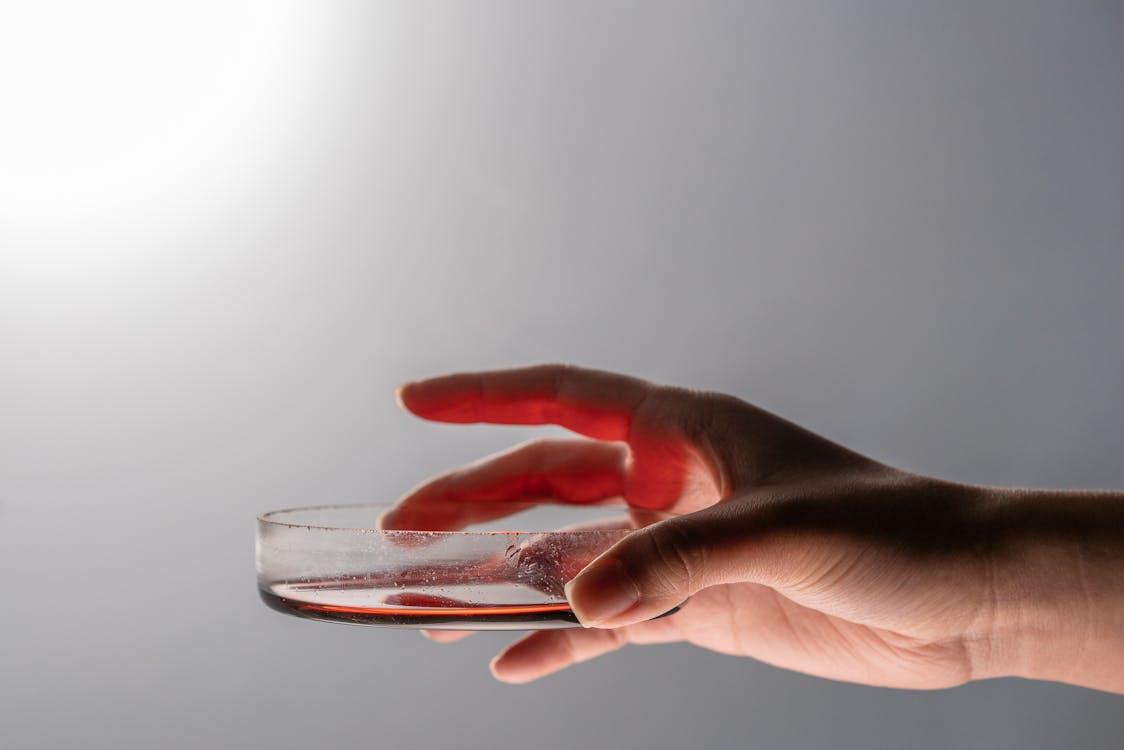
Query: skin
[(781, 545)]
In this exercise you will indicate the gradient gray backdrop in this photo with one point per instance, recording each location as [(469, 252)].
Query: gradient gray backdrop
[(901, 224)]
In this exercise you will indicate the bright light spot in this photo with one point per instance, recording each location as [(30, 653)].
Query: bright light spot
[(112, 112)]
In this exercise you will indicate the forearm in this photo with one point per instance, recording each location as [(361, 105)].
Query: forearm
[(1056, 564)]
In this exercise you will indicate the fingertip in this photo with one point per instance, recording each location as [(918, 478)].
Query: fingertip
[(410, 396), (442, 399), (497, 673), (513, 665), (385, 521), (505, 673), (568, 591), (398, 519), (384, 518), (603, 595)]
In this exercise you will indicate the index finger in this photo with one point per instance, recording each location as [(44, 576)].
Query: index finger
[(590, 402)]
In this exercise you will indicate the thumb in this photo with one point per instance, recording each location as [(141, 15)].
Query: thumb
[(656, 568)]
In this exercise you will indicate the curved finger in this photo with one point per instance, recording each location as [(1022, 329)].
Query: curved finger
[(573, 471), (659, 566), (591, 402), (548, 651)]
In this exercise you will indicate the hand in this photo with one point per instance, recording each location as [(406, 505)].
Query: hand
[(791, 549)]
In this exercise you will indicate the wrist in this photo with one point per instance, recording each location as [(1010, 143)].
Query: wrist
[(1056, 610)]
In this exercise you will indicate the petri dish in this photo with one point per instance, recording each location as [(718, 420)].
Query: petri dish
[(333, 563)]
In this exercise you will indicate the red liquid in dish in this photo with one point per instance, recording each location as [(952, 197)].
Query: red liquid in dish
[(509, 607), (359, 600)]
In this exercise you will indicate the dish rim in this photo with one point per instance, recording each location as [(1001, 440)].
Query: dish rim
[(265, 519)]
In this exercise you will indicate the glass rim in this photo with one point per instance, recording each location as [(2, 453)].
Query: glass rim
[(267, 518)]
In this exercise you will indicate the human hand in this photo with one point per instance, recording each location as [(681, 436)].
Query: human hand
[(792, 549)]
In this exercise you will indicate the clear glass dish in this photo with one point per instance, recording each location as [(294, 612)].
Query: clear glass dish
[(333, 563)]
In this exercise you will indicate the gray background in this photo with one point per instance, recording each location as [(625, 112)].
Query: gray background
[(900, 224)]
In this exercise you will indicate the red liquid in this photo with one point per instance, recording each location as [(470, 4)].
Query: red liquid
[(375, 600), (501, 617)]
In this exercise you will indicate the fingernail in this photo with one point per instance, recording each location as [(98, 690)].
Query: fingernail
[(398, 397), (599, 595)]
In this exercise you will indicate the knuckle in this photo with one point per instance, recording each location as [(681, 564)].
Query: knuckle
[(617, 637), (676, 561), (694, 413), (555, 372), (537, 449), (661, 407)]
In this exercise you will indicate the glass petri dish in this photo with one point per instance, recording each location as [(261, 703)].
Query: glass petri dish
[(333, 563)]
